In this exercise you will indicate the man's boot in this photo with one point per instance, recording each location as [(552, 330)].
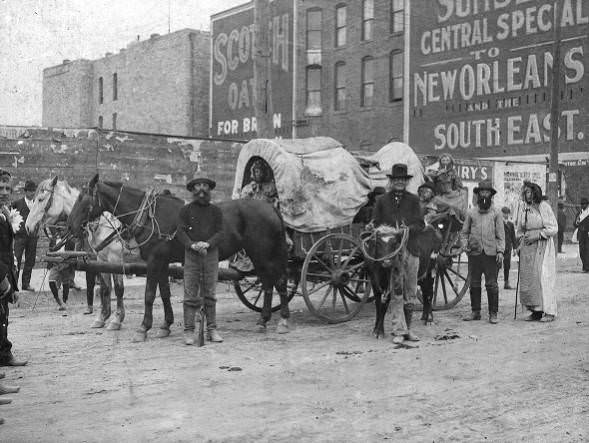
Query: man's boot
[(189, 314), (410, 336), (211, 314), (475, 300)]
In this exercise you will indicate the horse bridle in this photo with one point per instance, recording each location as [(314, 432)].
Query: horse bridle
[(366, 236)]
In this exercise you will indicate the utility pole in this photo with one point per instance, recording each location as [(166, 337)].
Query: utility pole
[(262, 70), (554, 111)]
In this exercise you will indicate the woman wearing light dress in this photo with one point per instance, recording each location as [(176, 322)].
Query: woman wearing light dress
[(536, 228)]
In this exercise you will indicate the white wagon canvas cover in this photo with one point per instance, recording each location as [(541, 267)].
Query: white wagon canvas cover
[(320, 184)]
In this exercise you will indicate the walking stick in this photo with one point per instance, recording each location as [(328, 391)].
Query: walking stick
[(519, 262), (201, 327), (517, 285)]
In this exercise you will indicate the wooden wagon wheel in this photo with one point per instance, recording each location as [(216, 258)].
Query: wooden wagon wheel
[(334, 281), (249, 291), (449, 269)]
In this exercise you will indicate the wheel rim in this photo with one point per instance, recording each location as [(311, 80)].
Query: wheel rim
[(334, 281), (249, 291), (451, 281)]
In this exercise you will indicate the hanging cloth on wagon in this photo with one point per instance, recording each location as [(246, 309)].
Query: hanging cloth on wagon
[(320, 184)]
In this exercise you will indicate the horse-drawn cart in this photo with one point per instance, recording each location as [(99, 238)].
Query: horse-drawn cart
[(321, 188)]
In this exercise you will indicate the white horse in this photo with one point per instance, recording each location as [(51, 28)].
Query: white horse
[(54, 198)]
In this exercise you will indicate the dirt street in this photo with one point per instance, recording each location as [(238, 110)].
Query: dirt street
[(515, 381)]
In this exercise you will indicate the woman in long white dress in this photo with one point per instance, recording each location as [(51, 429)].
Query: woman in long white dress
[(536, 228)]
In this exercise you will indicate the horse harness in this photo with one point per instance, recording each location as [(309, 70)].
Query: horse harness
[(144, 217), (364, 239)]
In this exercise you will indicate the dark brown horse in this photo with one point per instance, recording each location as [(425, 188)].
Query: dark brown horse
[(384, 249), (252, 225)]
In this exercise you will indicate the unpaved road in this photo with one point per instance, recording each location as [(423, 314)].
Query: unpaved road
[(516, 381)]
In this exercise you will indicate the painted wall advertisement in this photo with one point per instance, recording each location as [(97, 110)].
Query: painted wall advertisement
[(509, 180), (232, 76), (481, 72)]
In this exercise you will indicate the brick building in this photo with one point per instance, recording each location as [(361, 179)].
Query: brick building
[(156, 85), (341, 74)]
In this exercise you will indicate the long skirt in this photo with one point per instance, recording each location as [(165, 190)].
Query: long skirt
[(537, 274)]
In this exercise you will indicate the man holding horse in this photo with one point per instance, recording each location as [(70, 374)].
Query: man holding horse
[(199, 230), (8, 281), (400, 208)]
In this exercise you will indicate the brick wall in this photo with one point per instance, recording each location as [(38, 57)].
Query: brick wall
[(358, 128), (162, 87), (66, 98)]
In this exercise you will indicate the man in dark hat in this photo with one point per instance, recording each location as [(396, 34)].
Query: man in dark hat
[(8, 280), (582, 225), (200, 229), (484, 236), (395, 208), (510, 245), (24, 242)]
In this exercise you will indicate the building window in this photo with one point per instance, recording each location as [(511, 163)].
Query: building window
[(340, 86), (100, 90), (367, 19), (367, 81), (314, 29), (397, 16), (115, 86), (396, 75), (114, 121), (100, 122), (340, 25), (313, 90)]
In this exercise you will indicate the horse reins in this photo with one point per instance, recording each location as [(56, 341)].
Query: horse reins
[(364, 241)]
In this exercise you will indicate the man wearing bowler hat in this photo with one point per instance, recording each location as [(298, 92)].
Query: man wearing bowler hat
[(399, 207), (484, 236), (200, 228), (23, 241)]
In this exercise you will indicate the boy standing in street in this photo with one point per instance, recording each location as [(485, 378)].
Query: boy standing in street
[(484, 236)]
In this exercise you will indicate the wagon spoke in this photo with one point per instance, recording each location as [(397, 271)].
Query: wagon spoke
[(321, 262), (316, 274), (343, 297), (451, 282), (444, 286), (352, 255), (456, 273), (317, 288), (324, 297), (436, 288), (251, 286)]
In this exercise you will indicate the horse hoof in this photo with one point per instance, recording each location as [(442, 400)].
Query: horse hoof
[(97, 324), (162, 333), (114, 326), (140, 337), (282, 327)]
